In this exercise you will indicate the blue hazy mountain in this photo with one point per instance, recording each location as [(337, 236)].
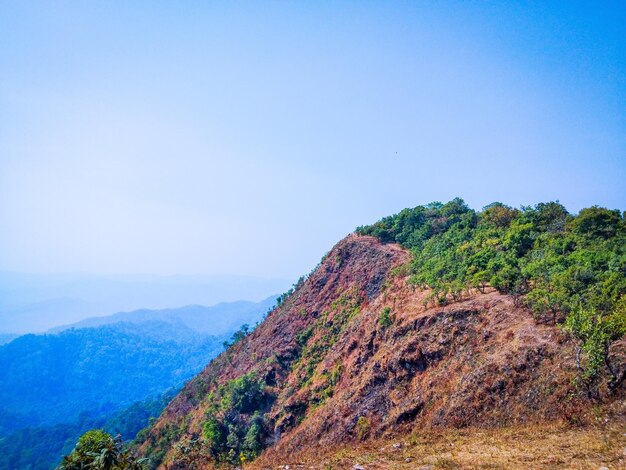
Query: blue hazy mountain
[(108, 371), (42, 447), (48, 379), (7, 337), (215, 320), (34, 303)]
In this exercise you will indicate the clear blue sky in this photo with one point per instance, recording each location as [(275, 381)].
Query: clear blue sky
[(233, 137)]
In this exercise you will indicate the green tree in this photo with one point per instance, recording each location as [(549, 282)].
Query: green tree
[(215, 433), (98, 450), (253, 440), (595, 333)]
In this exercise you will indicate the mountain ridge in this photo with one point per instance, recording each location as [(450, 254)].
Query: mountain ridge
[(35, 303), (199, 318), (363, 348)]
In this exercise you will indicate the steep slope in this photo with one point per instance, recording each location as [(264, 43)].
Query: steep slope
[(357, 352)]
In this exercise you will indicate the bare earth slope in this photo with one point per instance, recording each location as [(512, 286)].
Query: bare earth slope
[(337, 375)]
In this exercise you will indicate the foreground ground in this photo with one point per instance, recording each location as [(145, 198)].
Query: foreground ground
[(530, 447)]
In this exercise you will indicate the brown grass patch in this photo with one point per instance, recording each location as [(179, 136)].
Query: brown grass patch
[(527, 447)]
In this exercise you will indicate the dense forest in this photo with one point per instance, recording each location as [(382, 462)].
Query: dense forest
[(55, 387), (51, 379), (566, 268)]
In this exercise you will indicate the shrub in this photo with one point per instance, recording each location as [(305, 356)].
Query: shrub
[(235, 426), (253, 440), (99, 450), (244, 394), (362, 427), (384, 319), (214, 432)]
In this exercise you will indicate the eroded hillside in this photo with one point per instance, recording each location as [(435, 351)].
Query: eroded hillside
[(356, 352)]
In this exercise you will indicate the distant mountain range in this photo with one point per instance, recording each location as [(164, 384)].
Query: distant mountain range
[(42, 447), (35, 303), (216, 320)]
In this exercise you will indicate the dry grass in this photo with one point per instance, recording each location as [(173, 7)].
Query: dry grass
[(529, 447)]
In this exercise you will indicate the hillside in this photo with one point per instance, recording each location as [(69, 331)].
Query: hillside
[(368, 346)]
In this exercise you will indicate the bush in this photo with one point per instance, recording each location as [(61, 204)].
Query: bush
[(384, 319), (244, 394), (100, 451), (596, 332), (214, 432), (362, 427)]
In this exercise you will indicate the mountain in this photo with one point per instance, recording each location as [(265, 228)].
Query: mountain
[(35, 303), (7, 338), (219, 319), (53, 378), (509, 322), (108, 372), (105, 363), (54, 387)]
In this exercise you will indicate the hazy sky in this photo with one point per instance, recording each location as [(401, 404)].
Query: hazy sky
[(231, 137)]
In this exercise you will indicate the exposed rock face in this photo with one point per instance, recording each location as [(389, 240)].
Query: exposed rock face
[(337, 374)]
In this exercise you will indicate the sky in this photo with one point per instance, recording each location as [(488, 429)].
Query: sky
[(247, 138)]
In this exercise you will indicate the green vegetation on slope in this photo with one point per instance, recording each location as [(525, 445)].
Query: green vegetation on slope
[(563, 267), (237, 424), (235, 427)]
